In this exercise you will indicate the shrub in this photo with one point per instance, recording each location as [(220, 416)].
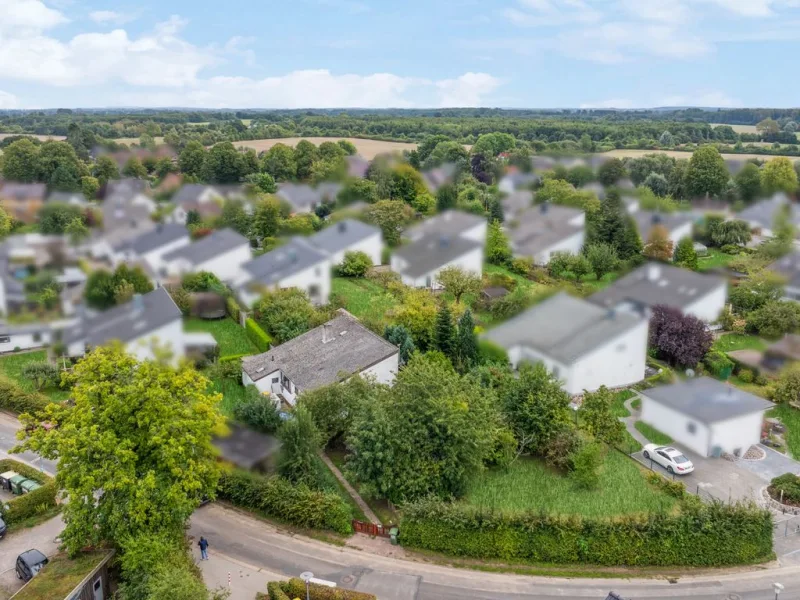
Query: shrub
[(257, 335), (33, 503), (42, 373), (718, 364), (275, 497), (586, 463), (16, 400), (257, 411), (522, 266), (489, 352), (226, 368), (233, 308), (355, 264), (785, 488), (275, 591), (232, 357), (746, 375), (296, 588), (701, 535)]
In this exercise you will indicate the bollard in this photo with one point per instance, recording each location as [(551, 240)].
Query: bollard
[(229, 579)]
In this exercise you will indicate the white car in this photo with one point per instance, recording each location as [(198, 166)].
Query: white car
[(669, 458)]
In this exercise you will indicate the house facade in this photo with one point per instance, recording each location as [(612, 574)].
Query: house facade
[(22, 201), (543, 230), (223, 252), (152, 246), (349, 235), (678, 226), (420, 262)]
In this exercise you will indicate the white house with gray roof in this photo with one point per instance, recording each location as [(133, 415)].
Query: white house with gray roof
[(788, 267), (223, 252), (147, 323), (296, 264), (544, 229), (677, 225), (330, 353), (583, 345), (702, 296), (349, 235), (304, 199), (761, 216), (151, 246), (451, 223), (706, 415)]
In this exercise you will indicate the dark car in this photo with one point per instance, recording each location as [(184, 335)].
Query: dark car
[(3, 528), (29, 563)]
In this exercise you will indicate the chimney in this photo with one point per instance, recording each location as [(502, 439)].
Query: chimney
[(137, 303), (653, 272)]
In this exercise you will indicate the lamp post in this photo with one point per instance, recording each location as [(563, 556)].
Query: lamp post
[(778, 589), (575, 408), (306, 576)]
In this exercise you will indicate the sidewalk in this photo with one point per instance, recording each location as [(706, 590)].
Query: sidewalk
[(246, 580)]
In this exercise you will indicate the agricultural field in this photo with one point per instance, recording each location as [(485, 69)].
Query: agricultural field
[(44, 138), (738, 128), (627, 153), (369, 149), (135, 140), (529, 485)]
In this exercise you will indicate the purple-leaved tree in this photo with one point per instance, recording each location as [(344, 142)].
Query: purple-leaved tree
[(681, 340)]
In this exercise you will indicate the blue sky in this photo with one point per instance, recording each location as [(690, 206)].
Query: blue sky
[(370, 53)]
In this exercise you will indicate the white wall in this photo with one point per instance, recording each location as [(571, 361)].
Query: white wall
[(371, 246), (154, 258), (738, 433), (168, 336), (572, 244), (676, 425), (619, 362), (386, 370), (319, 275), (677, 234), (226, 266), (471, 262), (709, 306), (477, 233), (519, 354), (3, 299), (25, 341)]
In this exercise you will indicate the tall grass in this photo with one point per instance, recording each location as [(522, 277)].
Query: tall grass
[(653, 434)]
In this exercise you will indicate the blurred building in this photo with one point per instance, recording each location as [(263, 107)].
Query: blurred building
[(22, 201), (544, 229)]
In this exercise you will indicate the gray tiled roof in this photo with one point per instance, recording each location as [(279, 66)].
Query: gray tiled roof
[(516, 202), (343, 234), (763, 213), (311, 363), (448, 223), (357, 166), (541, 227), (563, 328), (432, 251), (707, 400), (645, 220), (788, 267), (22, 191), (293, 257), (127, 322), (301, 195), (156, 238), (215, 244), (657, 283), (126, 189), (191, 192)]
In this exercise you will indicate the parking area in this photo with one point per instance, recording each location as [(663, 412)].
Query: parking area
[(42, 537)]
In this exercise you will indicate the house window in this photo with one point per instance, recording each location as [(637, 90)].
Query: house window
[(4, 339), (313, 291), (276, 379), (691, 428)]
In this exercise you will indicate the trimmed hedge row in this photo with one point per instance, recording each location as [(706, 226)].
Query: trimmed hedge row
[(33, 503), (296, 588), (276, 497), (702, 536), (230, 357), (16, 400), (257, 335), (233, 309)]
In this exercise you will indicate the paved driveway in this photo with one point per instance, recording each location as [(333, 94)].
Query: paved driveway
[(772, 466), (42, 537)]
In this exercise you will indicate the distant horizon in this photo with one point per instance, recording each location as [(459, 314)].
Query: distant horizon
[(398, 108)]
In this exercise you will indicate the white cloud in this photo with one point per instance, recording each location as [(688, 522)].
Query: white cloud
[(111, 17), (28, 16), (466, 90), (613, 103), (8, 101), (747, 8), (701, 98), (656, 10), (551, 13)]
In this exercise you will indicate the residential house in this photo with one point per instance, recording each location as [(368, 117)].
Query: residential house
[(515, 203), (781, 353), (419, 263), (152, 246), (451, 223), (706, 415), (128, 191), (330, 353), (223, 252), (349, 235), (304, 199), (597, 188), (788, 267), (205, 200), (22, 201), (677, 225), (15, 337), (516, 181), (539, 162), (439, 176), (762, 215), (296, 264), (147, 323), (357, 166), (71, 198), (580, 343), (545, 229), (696, 294), (127, 214)]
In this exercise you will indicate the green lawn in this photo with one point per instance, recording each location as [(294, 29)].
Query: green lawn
[(618, 405), (363, 298), (653, 434), (233, 393), (11, 366), (231, 338), (790, 417), (530, 485), (739, 341), (714, 260)]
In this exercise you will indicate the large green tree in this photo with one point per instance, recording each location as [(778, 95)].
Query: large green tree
[(300, 443), (192, 159), (779, 176), (279, 162), (748, 182), (20, 161), (59, 166), (133, 447), (391, 216), (707, 173), (105, 169), (305, 153), (267, 217), (444, 333), (224, 164), (285, 313)]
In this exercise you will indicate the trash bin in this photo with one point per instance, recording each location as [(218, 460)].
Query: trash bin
[(393, 532)]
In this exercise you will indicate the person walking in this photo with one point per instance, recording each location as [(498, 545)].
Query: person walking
[(203, 543)]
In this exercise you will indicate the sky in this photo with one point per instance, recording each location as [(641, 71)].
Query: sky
[(415, 53)]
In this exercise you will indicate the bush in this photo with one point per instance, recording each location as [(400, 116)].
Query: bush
[(355, 264), (296, 588), (16, 400), (746, 375), (718, 364), (522, 266), (257, 411), (701, 535), (33, 503), (586, 463), (297, 505), (42, 373), (489, 352), (257, 335), (233, 308), (232, 358), (785, 488)]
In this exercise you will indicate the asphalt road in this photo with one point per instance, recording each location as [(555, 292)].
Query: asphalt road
[(256, 545), (8, 429)]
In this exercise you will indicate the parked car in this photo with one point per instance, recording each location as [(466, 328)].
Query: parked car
[(668, 457), (29, 563), (3, 528)]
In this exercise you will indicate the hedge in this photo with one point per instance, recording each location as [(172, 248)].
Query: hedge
[(233, 308), (296, 588), (257, 335), (295, 504), (702, 535), (16, 400), (231, 357), (32, 503)]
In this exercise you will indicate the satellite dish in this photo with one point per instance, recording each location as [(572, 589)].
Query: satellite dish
[(690, 372)]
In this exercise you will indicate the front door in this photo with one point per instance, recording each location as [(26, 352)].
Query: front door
[(97, 589)]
